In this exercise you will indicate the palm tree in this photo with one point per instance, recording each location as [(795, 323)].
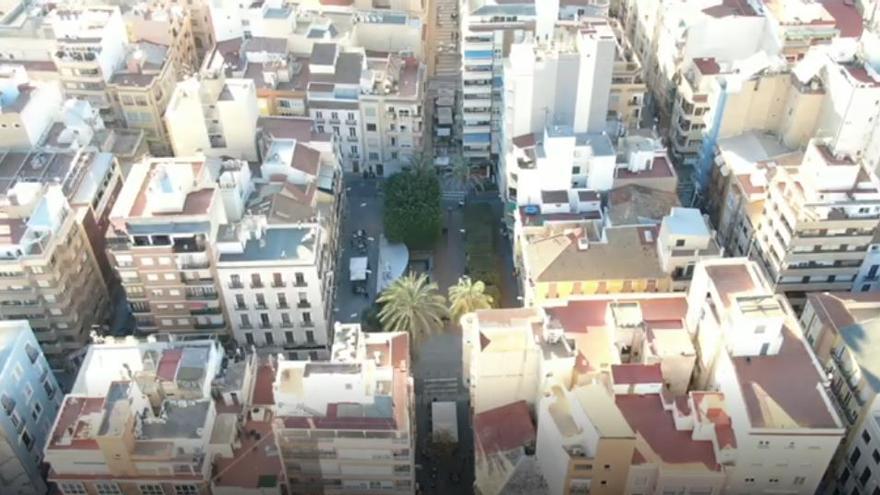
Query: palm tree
[(467, 296), (412, 304), (462, 174)]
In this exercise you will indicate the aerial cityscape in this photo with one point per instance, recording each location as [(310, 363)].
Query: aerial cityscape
[(478, 247)]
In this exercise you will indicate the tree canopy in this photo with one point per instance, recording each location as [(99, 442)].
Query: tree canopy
[(412, 209)]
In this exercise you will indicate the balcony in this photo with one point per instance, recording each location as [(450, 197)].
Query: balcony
[(277, 285), (215, 310), (209, 326), (198, 280), (282, 305), (201, 295), (235, 285), (307, 324), (256, 285)]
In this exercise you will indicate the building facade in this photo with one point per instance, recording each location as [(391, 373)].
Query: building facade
[(30, 403)]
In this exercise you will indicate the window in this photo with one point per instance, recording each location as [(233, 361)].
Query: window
[(234, 281), (17, 373), (107, 488), (371, 127), (300, 280), (72, 488), (319, 115), (288, 337), (763, 444), (876, 456), (261, 300), (307, 317), (679, 242), (352, 132), (36, 410), (186, 490), (239, 302), (282, 300), (575, 171), (277, 281), (285, 320), (866, 436), (310, 336), (264, 320), (151, 490), (799, 480), (270, 339), (28, 392), (245, 321), (27, 440), (249, 338)]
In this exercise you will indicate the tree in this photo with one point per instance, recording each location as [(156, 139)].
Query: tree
[(412, 304), (421, 163), (412, 213), (463, 174), (467, 296)]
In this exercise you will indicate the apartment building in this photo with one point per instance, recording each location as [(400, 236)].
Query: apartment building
[(556, 158), (55, 206), (818, 223), (213, 114), (391, 113), (27, 108), (347, 425), (734, 307), (580, 59), (30, 402), (738, 186), (489, 30), (277, 263), (26, 36), (91, 43), (140, 418), (161, 243), (79, 125), (684, 393), (167, 24), (142, 89), (842, 330), (569, 253)]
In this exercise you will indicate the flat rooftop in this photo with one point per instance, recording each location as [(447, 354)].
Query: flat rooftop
[(657, 439), (773, 399)]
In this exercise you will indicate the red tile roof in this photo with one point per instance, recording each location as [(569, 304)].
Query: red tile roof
[(646, 416), (503, 428), (306, 159), (631, 374), (846, 17)]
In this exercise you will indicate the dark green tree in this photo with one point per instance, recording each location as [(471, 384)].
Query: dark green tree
[(412, 209)]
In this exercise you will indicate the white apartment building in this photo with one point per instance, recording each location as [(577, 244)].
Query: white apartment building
[(577, 61), (91, 44), (818, 223), (26, 35), (346, 425), (750, 345), (30, 400), (276, 258), (556, 159), (213, 115), (27, 109)]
